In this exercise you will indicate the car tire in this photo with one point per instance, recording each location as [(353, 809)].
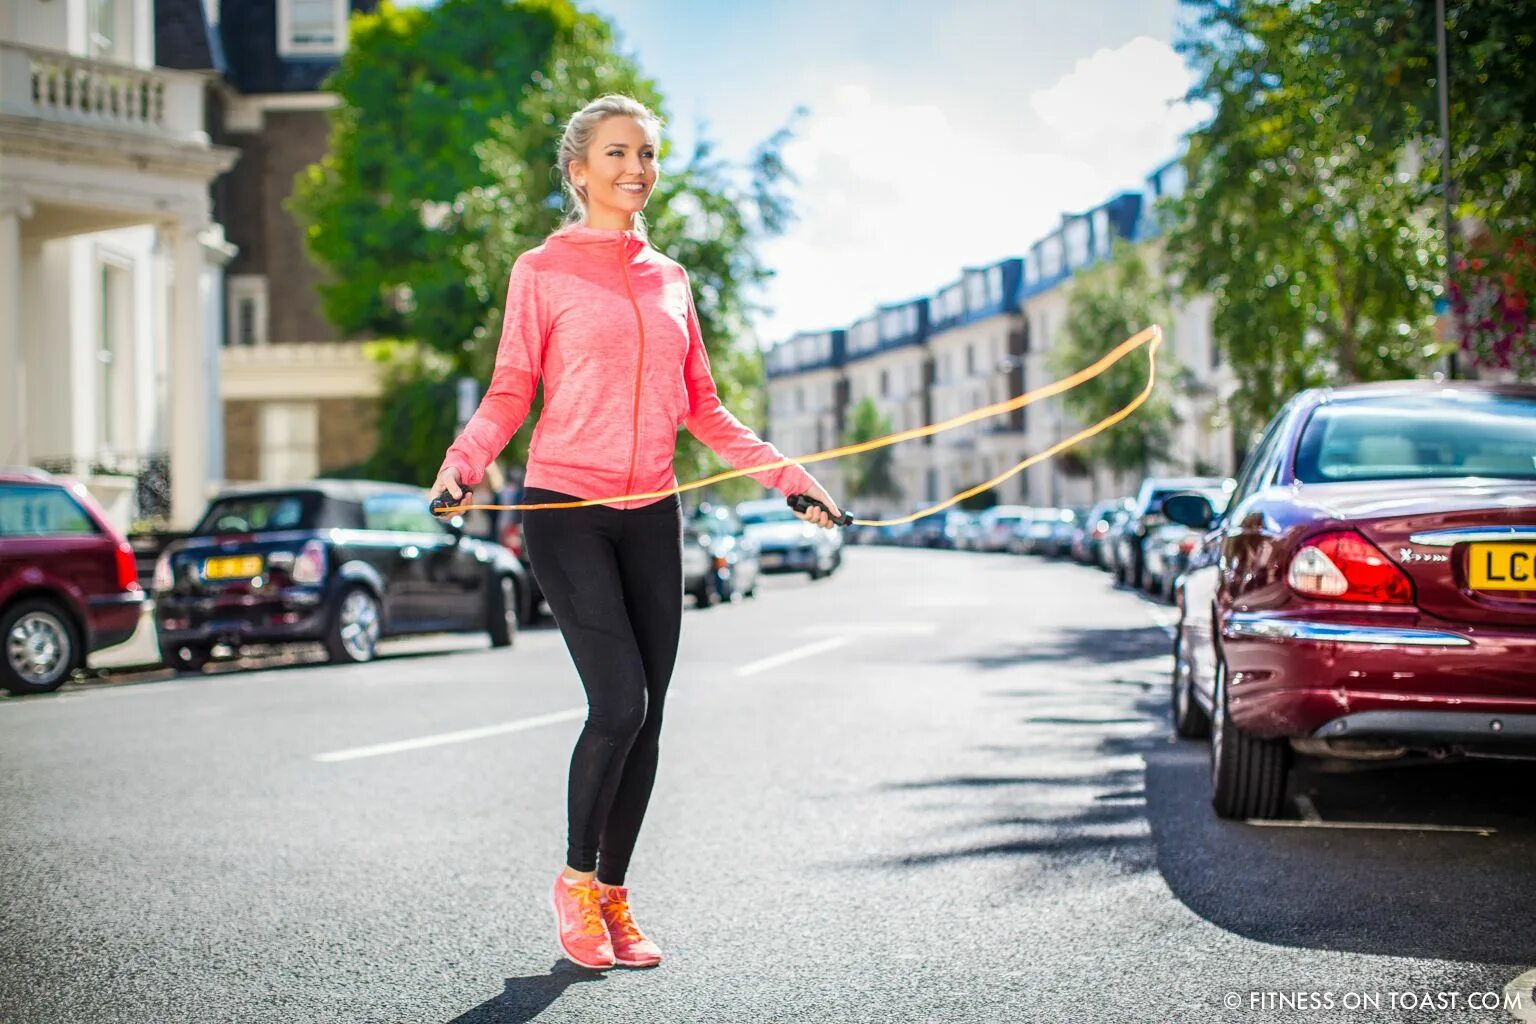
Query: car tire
[(1248, 774), (502, 613), (353, 634), (1190, 721), (42, 646), (186, 657)]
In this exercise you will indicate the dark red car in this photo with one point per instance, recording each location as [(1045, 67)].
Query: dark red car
[(68, 585), (1370, 591)]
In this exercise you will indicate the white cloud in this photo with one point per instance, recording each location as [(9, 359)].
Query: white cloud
[(896, 197)]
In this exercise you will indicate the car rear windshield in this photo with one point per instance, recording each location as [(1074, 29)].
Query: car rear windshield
[(27, 511), (1442, 434), (261, 513)]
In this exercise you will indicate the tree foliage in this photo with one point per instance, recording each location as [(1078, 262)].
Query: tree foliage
[(442, 171), (870, 474), (1108, 303), (1313, 208)]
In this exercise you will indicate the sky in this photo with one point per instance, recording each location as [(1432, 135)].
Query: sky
[(941, 134)]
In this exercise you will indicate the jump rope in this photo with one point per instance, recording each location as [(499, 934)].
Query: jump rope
[(444, 505)]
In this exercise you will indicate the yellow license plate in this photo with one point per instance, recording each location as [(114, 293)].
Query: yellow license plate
[(1501, 566), (232, 567)]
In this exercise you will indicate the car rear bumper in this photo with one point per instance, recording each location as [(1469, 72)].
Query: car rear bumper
[(771, 560), (114, 617), (298, 613), (1297, 677)]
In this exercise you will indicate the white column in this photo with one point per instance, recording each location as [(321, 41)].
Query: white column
[(190, 376), (13, 393)]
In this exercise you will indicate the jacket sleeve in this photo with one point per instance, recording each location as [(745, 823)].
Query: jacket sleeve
[(519, 362), (710, 422)]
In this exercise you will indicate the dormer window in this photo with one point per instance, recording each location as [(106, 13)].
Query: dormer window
[(311, 27)]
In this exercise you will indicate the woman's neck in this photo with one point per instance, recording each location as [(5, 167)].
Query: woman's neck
[(610, 221)]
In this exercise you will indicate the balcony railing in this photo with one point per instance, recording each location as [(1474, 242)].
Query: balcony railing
[(62, 88)]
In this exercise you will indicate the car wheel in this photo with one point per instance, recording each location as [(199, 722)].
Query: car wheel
[(186, 657), (501, 616), (1189, 719), (355, 627), (1248, 774), (42, 646)]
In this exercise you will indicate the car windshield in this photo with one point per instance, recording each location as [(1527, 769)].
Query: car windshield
[(260, 513), (1440, 434), (783, 514)]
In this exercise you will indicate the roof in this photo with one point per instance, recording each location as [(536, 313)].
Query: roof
[(182, 37)]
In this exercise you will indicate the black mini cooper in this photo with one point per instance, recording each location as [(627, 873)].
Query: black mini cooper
[(342, 562)]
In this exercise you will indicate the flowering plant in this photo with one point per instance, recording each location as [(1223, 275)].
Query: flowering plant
[(1490, 298)]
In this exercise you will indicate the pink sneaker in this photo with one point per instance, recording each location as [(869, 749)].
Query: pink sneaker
[(579, 923), (630, 947)]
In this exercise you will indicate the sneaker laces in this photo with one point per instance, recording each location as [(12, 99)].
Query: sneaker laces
[(586, 897), (618, 911)]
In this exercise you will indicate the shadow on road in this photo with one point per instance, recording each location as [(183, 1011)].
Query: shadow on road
[(1445, 895), (525, 998)]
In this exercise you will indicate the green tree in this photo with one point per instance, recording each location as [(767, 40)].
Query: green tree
[(1108, 303), (870, 474), (442, 171), (1317, 254)]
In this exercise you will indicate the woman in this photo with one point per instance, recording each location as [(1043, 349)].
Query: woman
[(610, 325)]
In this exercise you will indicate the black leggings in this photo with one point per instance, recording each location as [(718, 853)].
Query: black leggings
[(614, 580)]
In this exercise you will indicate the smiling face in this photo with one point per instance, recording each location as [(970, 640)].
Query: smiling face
[(618, 174)]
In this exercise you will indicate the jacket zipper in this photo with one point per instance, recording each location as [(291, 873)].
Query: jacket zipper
[(634, 437)]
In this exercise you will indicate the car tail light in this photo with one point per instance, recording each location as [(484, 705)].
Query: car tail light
[(127, 568), (1344, 566), (309, 565), (512, 539), (721, 562), (163, 579)]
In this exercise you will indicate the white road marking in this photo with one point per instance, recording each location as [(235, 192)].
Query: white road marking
[(870, 629), (462, 736), (794, 654), (1392, 826)]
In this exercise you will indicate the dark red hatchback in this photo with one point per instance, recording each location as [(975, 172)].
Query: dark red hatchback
[(68, 585), (1370, 591)]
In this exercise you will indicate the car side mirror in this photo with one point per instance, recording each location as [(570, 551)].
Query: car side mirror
[(1192, 510)]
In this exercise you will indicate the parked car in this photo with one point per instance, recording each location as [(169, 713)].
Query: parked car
[(1169, 547), (1089, 537), (997, 526), (787, 543), (1033, 536), (68, 582), (1147, 515), (968, 536), (1110, 546), (1059, 545), (341, 562), (939, 529), (1370, 591), (509, 534), (720, 563)]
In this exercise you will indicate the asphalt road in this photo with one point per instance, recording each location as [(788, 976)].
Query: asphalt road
[(952, 797)]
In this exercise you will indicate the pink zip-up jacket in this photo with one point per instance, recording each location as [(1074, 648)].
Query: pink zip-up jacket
[(609, 324)]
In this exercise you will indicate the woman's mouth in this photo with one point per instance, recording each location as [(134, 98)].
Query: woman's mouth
[(633, 188)]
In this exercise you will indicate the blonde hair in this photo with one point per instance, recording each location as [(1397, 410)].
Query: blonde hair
[(578, 136)]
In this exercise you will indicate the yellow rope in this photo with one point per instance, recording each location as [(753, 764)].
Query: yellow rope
[(1152, 337)]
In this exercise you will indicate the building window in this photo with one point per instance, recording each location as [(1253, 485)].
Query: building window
[(114, 384), (247, 310), (290, 441), (970, 360), (311, 26), (885, 383), (111, 29)]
